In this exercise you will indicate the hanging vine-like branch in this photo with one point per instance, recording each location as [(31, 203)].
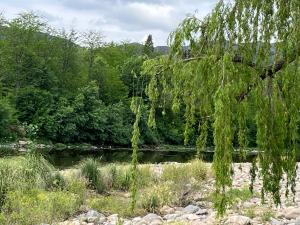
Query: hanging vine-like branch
[(243, 61)]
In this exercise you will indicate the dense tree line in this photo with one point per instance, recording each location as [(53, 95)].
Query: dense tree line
[(63, 86)]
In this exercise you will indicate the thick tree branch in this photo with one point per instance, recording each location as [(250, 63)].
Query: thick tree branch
[(269, 71)]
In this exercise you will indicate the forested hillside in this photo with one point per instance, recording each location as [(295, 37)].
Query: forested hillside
[(71, 87)]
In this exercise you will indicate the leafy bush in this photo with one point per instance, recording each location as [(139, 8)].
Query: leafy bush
[(89, 169), (37, 206)]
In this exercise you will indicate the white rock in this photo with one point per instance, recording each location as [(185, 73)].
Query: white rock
[(191, 209), (171, 217), (238, 220), (151, 217), (291, 213)]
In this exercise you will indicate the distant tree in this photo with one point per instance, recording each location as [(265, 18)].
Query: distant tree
[(92, 40), (148, 47)]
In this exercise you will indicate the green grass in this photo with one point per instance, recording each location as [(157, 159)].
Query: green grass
[(90, 170), (250, 212), (33, 192), (38, 206), (231, 197), (25, 173), (267, 215), (114, 204)]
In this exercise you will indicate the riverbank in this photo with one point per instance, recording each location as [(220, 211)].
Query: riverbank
[(94, 193), (244, 208)]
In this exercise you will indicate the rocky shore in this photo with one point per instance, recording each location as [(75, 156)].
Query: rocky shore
[(201, 211)]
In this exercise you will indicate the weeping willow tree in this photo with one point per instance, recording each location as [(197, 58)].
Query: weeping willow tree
[(243, 56)]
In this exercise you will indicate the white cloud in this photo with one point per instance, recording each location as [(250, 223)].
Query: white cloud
[(117, 19)]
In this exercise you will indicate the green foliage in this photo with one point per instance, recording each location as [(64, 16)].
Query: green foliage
[(267, 215), (158, 196), (7, 119), (77, 187), (241, 67), (136, 105), (36, 206), (90, 170), (227, 200), (148, 47), (114, 204), (32, 103)]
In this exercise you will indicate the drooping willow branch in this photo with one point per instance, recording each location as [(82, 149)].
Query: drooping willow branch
[(242, 63)]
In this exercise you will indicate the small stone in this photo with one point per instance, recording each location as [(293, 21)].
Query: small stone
[(151, 217), (238, 220), (92, 213), (191, 209), (202, 212), (291, 213), (275, 222), (136, 219), (171, 217), (167, 210), (190, 217)]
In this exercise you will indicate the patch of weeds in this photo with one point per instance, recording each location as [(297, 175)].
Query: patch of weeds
[(159, 195), (57, 181), (175, 173), (198, 170), (146, 178), (267, 215), (77, 187), (24, 173), (37, 206), (89, 169), (250, 212), (231, 197), (113, 204), (236, 194), (123, 180)]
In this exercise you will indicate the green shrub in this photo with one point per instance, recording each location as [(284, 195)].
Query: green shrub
[(89, 169), (7, 120), (37, 206)]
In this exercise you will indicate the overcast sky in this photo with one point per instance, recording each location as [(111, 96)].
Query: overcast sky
[(118, 20)]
